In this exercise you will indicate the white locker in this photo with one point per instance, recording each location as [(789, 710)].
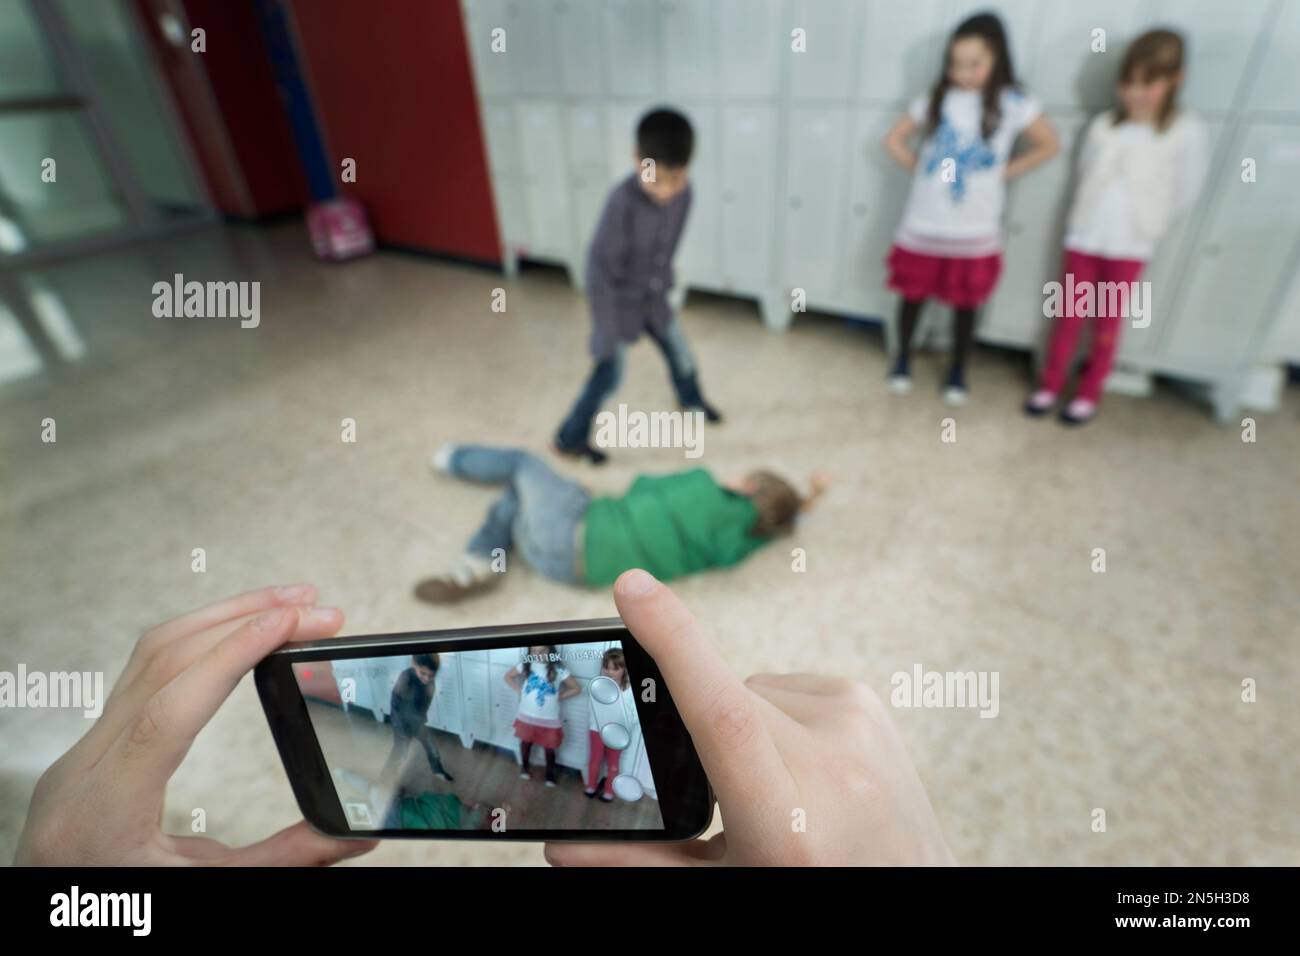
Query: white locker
[(698, 255), (446, 712), (877, 191), (1138, 345), (816, 152), (581, 43), (585, 127), (502, 140), (547, 199), (511, 198), (504, 703), (690, 46), (748, 181), (754, 44), (1067, 72), (824, 70), (632, 45), (1241, 257), (475, 700), (902, 45), (1220, 38), (1037, 204), (492, 71), (1277, 85), (530, 46)]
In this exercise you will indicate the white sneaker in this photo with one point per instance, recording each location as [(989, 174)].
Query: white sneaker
[(900, 384), (1079, 412), (1040, 402), (955, 395), (441, 460)]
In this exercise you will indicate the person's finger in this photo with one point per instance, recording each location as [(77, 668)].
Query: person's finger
[(818, 684), (156, 740), (298, 845), (693, 853), (228, 609), (804, 709), (129, 696), (721, 715)]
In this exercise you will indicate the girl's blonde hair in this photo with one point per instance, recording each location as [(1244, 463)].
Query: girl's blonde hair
[(776, 502), (1156, 54)]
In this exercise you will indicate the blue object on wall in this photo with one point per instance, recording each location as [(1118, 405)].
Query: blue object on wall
[(274, 21)]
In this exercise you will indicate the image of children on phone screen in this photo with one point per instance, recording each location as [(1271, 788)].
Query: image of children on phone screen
[(542, 682)]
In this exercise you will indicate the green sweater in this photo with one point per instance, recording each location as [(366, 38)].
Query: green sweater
[(670, 526)]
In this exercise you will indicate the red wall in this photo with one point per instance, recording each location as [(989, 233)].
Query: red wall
[(394, 90)]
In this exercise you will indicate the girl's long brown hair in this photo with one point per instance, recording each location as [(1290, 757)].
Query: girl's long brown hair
[(988, 28), (1156, 54)]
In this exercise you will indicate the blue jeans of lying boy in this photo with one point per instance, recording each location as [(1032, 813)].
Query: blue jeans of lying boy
[(537, 514), (609, 372)]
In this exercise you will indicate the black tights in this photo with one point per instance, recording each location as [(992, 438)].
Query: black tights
[(526, 751), (909, 312)]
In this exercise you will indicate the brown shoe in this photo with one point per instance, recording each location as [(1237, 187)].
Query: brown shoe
[(446, 589)]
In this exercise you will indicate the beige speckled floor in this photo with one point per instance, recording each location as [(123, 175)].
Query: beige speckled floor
[(1118, 690)]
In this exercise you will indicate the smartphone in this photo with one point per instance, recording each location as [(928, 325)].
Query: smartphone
[(563, 731)]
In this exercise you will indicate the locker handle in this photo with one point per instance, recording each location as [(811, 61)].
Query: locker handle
[(795, 203)]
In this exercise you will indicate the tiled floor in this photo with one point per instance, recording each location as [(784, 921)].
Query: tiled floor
[(1119, 690)]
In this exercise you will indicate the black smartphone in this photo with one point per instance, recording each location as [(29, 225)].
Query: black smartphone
[(563, 731)]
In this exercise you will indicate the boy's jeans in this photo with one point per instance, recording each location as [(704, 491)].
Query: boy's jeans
[(538, 513), (609, 372)]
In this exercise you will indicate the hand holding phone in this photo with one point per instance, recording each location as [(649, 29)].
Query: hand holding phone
[(808, 770), (100, 803)]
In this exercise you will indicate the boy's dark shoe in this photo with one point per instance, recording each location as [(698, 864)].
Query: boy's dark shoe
[(593, 455), (447, 589), (711, 414)]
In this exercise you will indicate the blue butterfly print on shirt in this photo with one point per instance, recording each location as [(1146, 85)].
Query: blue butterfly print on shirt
[(539, 685), (968, 155)]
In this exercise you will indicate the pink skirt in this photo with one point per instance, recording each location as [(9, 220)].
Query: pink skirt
[(547, 737), (962, 283)]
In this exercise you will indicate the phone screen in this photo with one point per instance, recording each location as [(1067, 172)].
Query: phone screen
[(530, 738)]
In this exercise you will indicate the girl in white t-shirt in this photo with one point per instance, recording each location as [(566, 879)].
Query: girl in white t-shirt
[(614, 666), (949, 244), (1142, 164), (542, 681)]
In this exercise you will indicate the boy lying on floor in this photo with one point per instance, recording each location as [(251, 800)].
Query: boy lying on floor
[(670, 525)]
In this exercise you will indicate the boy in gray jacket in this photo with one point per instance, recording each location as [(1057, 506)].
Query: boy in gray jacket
[(629, 273)]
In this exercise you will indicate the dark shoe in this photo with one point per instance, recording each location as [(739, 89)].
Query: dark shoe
[(606, 798), (711, 414), (593, 455), (443, 774), (595, 790), (1079, 412), (1040, 403), (446, 589)]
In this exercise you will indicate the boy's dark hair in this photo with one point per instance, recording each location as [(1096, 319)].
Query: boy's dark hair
[(427, 660), (665, 136), (776, 502), (987, 27)]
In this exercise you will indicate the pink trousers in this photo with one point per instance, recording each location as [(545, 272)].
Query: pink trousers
[(1084, 269), (597, 751)]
